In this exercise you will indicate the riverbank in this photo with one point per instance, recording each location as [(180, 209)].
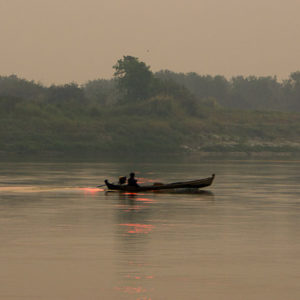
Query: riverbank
[(147, 157)]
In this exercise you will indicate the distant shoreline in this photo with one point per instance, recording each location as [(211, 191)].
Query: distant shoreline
[(153, 156)]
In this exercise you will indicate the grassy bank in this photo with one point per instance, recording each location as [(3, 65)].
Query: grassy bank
[(160, 125)]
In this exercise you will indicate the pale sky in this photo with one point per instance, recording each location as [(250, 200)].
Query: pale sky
[(59, 41)]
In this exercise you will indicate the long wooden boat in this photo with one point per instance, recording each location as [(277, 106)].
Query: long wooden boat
[(193, 184)]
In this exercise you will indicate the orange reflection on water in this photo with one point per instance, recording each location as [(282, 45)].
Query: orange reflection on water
[(145, 200), (136, 289), (131, 289), (139, 277), (139, 228), (91, 190), (130, 193)]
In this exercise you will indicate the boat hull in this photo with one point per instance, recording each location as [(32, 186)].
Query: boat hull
[(193, 184)]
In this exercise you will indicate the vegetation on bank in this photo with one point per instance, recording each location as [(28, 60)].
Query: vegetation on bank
[(141, 112)]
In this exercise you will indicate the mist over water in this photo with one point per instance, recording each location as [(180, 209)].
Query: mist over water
[(62, 238)]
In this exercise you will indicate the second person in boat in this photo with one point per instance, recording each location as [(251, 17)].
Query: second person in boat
[(132, 181)]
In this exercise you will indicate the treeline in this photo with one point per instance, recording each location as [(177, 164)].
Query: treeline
[(249, 93), (146, 112), (241, 93), (134, 111)]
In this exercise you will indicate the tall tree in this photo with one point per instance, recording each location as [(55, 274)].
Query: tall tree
[(134, 78)]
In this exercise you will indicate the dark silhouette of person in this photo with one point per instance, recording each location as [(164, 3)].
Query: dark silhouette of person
[(131, 180)]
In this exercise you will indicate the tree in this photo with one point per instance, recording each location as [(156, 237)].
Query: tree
[(134, 78), (295, 89), (14, 86), (295, 77), (65, 93), (101, 91)]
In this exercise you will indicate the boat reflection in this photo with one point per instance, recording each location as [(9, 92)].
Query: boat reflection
[(138, 228), (139, 218), (134, 227)]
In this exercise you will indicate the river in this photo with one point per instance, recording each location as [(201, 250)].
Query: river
[(62, 238)]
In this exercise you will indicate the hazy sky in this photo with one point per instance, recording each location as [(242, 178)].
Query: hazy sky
[(58, 41)]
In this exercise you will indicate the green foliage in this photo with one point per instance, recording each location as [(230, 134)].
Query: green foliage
[(162, 112), (250, 93), (100, 91), (15, 87), (134, 78), (67, 92)]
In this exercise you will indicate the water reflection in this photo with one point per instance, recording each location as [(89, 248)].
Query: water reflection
[(133, 214), (134, 228), (62, 240), (138, 228), (140, 219)]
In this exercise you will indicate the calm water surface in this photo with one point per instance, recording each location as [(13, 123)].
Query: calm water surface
[(60, 238)]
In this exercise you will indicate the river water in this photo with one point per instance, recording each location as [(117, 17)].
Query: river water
[(62, 238)]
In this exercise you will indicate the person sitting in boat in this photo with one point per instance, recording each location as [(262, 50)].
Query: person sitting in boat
[(132, 181)]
